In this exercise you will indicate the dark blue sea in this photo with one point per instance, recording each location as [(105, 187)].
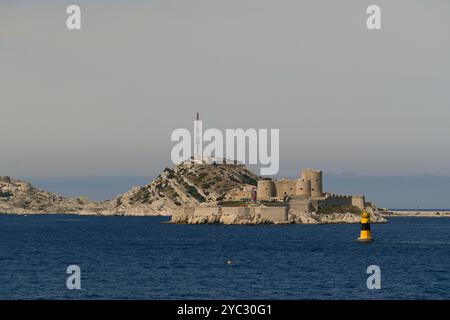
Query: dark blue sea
[(144, 258)]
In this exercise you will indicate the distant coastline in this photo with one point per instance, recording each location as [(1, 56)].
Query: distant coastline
[(438, 213)]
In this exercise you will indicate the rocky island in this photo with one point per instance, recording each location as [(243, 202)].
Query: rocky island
[(20, 197), (197, 193)]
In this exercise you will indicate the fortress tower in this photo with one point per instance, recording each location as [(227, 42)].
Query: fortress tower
[(316, 183), (305, 174), (265, 190), (315, 179), (303, 187)]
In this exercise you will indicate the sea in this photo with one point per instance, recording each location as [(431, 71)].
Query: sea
[(149, 258)]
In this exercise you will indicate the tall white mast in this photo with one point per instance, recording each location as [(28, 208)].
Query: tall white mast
[(198, 148)]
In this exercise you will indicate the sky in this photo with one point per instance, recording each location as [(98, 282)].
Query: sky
[(91, 112)]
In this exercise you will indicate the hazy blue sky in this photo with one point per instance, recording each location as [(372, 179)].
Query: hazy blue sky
[(103, 101)]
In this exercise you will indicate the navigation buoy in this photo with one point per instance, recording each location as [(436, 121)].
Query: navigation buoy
[(365, 235)]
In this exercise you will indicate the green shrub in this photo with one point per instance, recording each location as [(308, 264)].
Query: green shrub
[(194, 193), (5, 194), (250, 180), (232, 203)]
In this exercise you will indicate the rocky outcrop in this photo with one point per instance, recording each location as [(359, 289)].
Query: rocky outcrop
[(186, 184), (240, 218), (314, 218)]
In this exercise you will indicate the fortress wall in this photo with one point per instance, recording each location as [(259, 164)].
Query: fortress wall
[(235, 211), (359, 201), (229, 215), (300, 206), (274, 214), (338, 200), (182, 213), (285, 186), (343, 200), (206, 211)]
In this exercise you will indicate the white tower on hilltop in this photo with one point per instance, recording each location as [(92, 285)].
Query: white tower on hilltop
[(198, 135)]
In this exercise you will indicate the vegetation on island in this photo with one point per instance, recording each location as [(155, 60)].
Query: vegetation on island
[(5, 194)]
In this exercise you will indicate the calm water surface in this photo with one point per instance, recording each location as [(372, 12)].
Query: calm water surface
[(143, 258)]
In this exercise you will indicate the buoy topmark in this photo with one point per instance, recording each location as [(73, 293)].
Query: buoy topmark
[(365, 235)]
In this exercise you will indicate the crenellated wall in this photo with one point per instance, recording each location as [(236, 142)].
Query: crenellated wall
[(344, 200), (227, 215), (338, 200)]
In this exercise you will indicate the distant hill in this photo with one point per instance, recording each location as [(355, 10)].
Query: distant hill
[(21, 197)]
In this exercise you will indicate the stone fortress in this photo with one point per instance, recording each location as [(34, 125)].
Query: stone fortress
[(305, 193), (273, 201), (276, 201)]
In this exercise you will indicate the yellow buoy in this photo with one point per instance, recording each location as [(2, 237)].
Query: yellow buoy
[(365, 235)]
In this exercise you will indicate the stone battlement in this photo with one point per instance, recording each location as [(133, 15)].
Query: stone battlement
[(230, 215)]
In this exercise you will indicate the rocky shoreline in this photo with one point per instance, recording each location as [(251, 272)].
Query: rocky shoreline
[(245, 218)]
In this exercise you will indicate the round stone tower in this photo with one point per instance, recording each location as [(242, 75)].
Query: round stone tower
[(305, 174), (316, 183), (266, 189), (303, 187)]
